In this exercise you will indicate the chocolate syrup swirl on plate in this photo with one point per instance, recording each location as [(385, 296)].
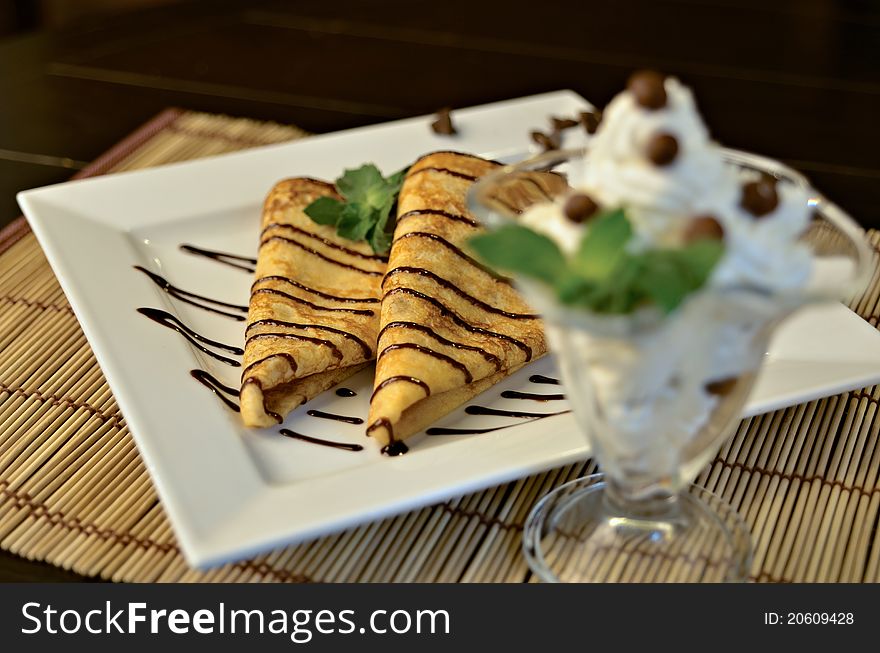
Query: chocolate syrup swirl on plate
[(199, 301), (346, 446), (533, 396), (217, 388), (166, 319), (345, 392), (538, 378), (440, 430), (333, 416), (245, 263)]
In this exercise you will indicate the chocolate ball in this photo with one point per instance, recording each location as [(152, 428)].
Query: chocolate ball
[(590, 120), (703, 227), (549, 142), (443, 125), (579, 208), (759, 197), (648, 89), (722, 386), (560, 124), (662, 149)]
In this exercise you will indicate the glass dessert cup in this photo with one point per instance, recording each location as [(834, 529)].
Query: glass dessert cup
[(656, 396)]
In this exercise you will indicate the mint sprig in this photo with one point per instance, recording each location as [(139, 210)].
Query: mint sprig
[(603, 275), (364, 213)]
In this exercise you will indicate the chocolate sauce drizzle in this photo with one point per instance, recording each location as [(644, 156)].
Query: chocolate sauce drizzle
[(532, 396), (305, 302), (497, 412), (315, 252), (333, 416), (395, 379), (455, 317), (290, 360), (446, 214), (538, 378), (334, 350), (445, 171), (440, 430), (440, 281), (217, 388), (232, 260), (168, 320), (401, 324), (368, 352), (189, 297), (256, 382), (345, 392), (468, 377), (457, 251), (297, 284), (346, 446), (395, 448), (328, 243)]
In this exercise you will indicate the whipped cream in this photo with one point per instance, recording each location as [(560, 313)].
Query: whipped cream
[(653, 387)]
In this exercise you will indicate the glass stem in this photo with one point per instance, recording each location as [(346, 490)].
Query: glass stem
[(656, 503)]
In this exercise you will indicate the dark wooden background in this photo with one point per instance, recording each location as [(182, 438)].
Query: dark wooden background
[(798, 80)]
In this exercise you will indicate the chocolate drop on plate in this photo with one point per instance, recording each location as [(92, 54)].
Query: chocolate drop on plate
[(443, 125), (722, 387), (562, 123), (548, 142), (703, 227), (759, 197), (590, 120), (648, 89), (662, 149), (579, 207), (395, 448)]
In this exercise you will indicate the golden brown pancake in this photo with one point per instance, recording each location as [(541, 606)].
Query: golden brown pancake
[(450, 328), (314, 307)]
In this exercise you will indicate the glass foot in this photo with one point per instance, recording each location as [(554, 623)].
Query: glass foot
[(573, 536)]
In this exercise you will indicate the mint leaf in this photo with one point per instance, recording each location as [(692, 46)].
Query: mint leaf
[(325, 210), (663, 281), (355, 185), (519, 249), (380, 236), (395, 181), (602, 248), (699, 259), (366, 211), (603, 276), (356, 221), (379, 240)]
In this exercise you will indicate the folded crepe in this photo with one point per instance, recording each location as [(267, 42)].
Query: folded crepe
[(450, 328), (314, 307)]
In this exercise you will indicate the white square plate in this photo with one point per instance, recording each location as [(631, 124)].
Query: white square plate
[(231, 492)]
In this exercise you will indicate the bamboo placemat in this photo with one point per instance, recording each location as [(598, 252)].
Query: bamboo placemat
[(74, 492)]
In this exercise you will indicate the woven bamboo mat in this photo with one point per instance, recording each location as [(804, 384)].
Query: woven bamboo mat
[(74, 492)]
